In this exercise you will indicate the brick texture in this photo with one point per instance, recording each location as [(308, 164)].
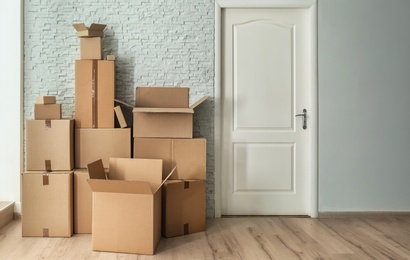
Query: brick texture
[(156, 43)]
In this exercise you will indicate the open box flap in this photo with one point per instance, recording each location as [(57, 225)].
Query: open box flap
[(80, 27), (136, 169), (169, 175), (96, 170), (163, 110), (194, 105), (119, 186), (96, 27)]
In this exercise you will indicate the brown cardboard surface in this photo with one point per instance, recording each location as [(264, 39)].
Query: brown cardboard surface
[(82, 202), (50, 140), (127, 214), (101, 143), (184, 205), (164, 122), (169, 97), (95, 30), (97, 112), (47, 204), (120, 117), (110, 57), (47, 111), (149, 170), (46, 100), (91, 48), (188, 155)]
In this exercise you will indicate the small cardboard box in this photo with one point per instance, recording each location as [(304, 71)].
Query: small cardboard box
[(91, 48), (101, 143), (127, 208), (188, 155), (184, 206), (164, 97), (164, 122), (82, 202), (94, 93), (46, 100), (95, 30), (47, 111), (50, 145), (47, 204)]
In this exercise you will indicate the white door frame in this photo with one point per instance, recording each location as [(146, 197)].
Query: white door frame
[(311, 5)]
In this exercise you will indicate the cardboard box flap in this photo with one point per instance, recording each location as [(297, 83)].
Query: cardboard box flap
[(163, 110), (118, 186), (80, 27), (96, 170), (97, 27), (194, 105), (169, 175), (133, 169)]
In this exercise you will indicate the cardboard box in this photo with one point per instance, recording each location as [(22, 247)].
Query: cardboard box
[(127, 213), (187, 155), (94, 93), (47, 204), (184, 206), (82, 202), (95, 30), (50, 145), (101, 143), (164, 97), (91, 48), (46, 100), (47, 111), (164, 122)]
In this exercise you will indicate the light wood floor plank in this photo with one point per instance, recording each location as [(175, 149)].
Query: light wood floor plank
[(281, 238)]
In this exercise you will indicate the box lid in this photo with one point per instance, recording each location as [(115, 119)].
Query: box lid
[(189, 110), (95, 30)]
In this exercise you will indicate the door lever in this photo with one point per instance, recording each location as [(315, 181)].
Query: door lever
[(304, 118)]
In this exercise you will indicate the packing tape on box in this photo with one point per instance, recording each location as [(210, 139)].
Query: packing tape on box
[(47, 123), (45, 232), (186, 229), (94, 94), (47, 164), (45, 179), (186, 185)]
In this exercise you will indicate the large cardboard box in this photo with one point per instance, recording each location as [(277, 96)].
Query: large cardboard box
[(47, 111), (82, 202), (187, 155), (184, 207), (127, 208), (165, 97), (101, 143), (95, 30), (94, 93), (164, 122), (49, 145), (47, 204), (91, 48)]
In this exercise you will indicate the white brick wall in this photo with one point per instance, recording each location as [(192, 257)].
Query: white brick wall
[(156, 42)]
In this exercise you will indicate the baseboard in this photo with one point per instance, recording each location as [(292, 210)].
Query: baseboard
[(364, 214)]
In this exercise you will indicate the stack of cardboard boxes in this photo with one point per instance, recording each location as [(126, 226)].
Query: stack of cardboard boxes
[(124, 202), (95, 135), (47, 186)]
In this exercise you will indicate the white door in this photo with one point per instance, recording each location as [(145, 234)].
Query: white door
[(265, 83)]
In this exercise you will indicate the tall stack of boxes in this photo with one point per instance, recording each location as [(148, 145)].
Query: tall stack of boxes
[(95, 135), (47, 186), (163, 129), (90, 183)]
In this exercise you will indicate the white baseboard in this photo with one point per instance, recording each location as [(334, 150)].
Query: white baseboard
[(363, 214)]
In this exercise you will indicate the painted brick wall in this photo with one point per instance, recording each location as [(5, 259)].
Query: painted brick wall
[(156, 43)]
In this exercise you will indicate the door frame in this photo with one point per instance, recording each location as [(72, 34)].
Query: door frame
[(311, 6)]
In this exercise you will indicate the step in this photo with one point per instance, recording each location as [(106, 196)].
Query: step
[(6, 212)]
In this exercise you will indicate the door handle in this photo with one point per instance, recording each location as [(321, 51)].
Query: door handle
[(304, 118)]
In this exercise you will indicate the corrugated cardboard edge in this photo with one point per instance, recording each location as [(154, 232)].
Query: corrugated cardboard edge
[(120, 117), (194, 105), (169, 175)]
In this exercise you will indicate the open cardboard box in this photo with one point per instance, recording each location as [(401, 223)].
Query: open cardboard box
[(165, 122), (127, 206)]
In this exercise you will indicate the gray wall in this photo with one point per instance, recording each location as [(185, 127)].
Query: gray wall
[(156, 43), (364, 105)]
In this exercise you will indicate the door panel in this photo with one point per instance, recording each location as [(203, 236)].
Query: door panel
[(265, 83)]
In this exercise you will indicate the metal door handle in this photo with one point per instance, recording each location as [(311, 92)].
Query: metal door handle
[(304, 118)]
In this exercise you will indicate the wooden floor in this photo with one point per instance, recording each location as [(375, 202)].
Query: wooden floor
[(241, 238)]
